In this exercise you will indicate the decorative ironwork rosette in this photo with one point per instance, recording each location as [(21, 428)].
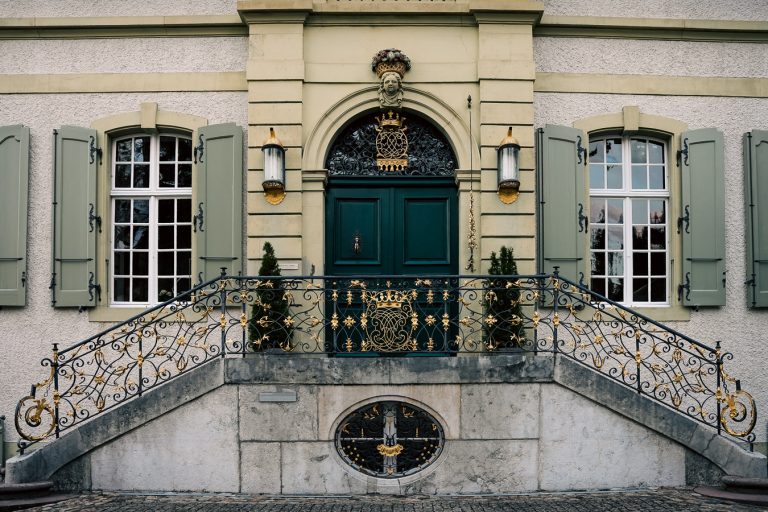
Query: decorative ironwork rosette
[(389, 439)]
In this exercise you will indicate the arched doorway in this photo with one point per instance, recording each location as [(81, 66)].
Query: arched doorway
[(384, 222)]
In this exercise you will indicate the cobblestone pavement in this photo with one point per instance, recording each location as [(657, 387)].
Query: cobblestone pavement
[(647, 500)]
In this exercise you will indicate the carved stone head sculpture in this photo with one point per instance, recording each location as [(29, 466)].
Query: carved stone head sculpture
[(390, 66)]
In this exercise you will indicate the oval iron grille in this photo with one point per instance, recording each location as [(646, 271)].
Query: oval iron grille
[(353, 153), (389, 439)]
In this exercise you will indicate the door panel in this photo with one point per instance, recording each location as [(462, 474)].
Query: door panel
[(424, 244), (360, 213)]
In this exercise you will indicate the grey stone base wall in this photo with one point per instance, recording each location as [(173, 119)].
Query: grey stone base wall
[(509, 425)]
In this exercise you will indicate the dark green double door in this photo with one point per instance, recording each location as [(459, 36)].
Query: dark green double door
[(390, 227)]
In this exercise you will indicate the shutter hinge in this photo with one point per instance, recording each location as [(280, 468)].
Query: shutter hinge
[(581, 151), (583, 220), (93, 217), (52, 287), (92, 286), (200, 149), (683, 152), (24, 279), (198, 219), (93, 150), (686, 287), (686, 220), (724, 276)]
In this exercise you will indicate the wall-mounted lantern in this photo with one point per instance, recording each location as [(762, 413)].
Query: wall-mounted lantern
[(274, 169), (508, 167)]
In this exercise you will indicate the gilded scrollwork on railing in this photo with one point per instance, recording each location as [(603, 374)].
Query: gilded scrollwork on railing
[(385, 315)]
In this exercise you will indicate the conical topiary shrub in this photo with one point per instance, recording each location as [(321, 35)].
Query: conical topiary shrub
[(504, 326), (268, 327)]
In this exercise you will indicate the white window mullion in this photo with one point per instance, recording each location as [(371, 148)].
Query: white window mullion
[(153, 250)]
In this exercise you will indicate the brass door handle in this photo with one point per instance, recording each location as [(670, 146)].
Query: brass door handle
[(356, 243)]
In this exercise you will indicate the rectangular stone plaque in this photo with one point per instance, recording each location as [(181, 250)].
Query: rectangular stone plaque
[(277, 396)]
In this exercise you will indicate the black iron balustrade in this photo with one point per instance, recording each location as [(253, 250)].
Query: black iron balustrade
[(384, 315)]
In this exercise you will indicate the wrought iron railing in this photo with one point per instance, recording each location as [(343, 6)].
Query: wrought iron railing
[(384, 315)]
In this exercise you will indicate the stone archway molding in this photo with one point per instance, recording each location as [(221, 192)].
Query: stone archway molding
[(454, 126)]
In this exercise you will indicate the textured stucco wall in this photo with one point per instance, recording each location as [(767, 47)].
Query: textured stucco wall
[(639, 57), (696, 9), (742, 331), (151, 55), (55, 8), (26, 333)]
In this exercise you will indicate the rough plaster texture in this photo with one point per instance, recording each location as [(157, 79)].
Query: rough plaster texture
[(26, 333), (741, 330), (696, 9), (148, 55), (640, 57), (193, 448), (67, 8), (597, 448)]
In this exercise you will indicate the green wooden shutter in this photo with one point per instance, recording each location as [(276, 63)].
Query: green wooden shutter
[(74, 227), (702, 219), (756, 203), (14, 185), (562, 204), (218, 207)]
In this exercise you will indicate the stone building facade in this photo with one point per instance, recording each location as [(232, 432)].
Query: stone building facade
[(607, 101)]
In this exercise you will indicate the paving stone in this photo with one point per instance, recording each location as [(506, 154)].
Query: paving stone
[(646, 500)]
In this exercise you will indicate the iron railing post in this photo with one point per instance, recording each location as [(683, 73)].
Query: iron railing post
[(638, 359), (555, 298), (223, 317), (719, 392), (2, 441), (140, 360), (244, 309), (56, 397)]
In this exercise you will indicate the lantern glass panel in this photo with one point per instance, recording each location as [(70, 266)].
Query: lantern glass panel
[(508, 164), (274, 164)]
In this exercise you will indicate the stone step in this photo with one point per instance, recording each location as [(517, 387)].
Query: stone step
[(739, 489), (20, 496), (24, 503), (746, 485)]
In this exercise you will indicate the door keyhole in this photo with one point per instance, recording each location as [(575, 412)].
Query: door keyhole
[(356, 242)]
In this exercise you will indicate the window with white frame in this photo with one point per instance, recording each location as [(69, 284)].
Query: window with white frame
[(151, 205), (629, 221)]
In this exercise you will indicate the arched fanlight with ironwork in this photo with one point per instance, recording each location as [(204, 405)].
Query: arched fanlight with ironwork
[(274, 169), (508, 168)]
